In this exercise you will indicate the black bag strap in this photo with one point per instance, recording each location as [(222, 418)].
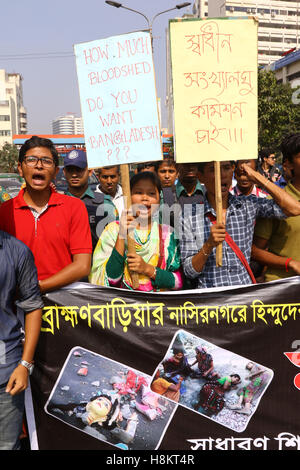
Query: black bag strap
[(99, 198)]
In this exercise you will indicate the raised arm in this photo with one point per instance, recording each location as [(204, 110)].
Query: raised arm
[(288, 204)]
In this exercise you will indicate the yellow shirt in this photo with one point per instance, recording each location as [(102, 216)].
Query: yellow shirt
[(283, 236), (160, 386)]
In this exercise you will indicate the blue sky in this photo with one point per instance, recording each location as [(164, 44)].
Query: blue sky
[(33, 28)]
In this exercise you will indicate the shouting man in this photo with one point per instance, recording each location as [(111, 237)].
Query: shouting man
[(54, 226)]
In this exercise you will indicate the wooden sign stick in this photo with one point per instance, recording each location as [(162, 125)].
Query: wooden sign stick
[(219, 209), (124, 169)]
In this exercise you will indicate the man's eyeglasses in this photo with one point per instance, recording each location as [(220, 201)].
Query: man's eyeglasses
[(32, 161)]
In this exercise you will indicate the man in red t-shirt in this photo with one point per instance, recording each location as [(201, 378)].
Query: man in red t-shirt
[(54, 226)]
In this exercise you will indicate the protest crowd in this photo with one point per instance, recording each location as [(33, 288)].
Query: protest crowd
[(49, 240)]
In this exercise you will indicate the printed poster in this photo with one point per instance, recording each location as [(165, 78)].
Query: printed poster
[(193, 371)]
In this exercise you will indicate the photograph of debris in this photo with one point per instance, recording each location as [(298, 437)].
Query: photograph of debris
[(110, 402), (210, 380)]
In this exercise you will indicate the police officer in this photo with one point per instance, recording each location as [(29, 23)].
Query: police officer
[(100, 208)]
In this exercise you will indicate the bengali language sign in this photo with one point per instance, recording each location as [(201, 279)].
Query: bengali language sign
[(147, 314), (214, 73), (118, 100), (91, 334)]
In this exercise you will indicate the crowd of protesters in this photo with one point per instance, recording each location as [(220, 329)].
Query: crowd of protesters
[(49, 239)]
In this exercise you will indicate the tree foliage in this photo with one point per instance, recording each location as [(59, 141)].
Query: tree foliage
[(8, 158), (278, 111)]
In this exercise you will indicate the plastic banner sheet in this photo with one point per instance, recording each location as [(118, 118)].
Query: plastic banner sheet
[(196, 370)]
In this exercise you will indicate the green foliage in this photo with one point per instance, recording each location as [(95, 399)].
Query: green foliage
[(277, 114), (8, 158)]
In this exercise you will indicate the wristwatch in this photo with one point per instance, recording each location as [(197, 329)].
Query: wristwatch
[(29, 366)]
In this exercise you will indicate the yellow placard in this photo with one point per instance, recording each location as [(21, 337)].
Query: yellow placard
[(214, 73)]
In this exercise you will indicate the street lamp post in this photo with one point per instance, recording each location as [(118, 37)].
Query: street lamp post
[(150, 22)]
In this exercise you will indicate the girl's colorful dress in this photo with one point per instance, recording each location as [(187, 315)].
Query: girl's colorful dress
[(157, 247)]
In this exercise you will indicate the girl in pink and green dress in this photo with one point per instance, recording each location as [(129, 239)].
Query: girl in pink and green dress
[(157, 258)]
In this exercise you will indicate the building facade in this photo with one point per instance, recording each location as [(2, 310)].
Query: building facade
[(278, 22), (278, 33), (287, 70), (68, 125), (13, 115)]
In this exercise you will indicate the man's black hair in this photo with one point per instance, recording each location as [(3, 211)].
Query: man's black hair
[(265, 153), (142, 166), (108, 168), (201, 165), (246, 159), (290, 147), (168, 160), (236, 375), (36, 141)]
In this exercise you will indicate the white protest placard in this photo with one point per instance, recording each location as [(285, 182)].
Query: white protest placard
[(118, 100), (214, 74)]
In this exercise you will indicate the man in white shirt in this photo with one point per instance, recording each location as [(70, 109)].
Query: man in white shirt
[(109, 184)]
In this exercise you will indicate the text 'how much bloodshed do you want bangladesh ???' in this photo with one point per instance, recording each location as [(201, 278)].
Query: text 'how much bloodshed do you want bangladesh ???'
[(127, 48), (116, 110), (119, 115)]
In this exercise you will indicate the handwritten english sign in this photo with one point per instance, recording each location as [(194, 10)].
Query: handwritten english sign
[(214, 73), (118, 100)]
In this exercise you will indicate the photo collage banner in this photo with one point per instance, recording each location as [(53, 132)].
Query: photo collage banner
[(191, 370)]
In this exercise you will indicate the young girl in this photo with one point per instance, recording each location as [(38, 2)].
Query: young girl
[(157, 259)]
